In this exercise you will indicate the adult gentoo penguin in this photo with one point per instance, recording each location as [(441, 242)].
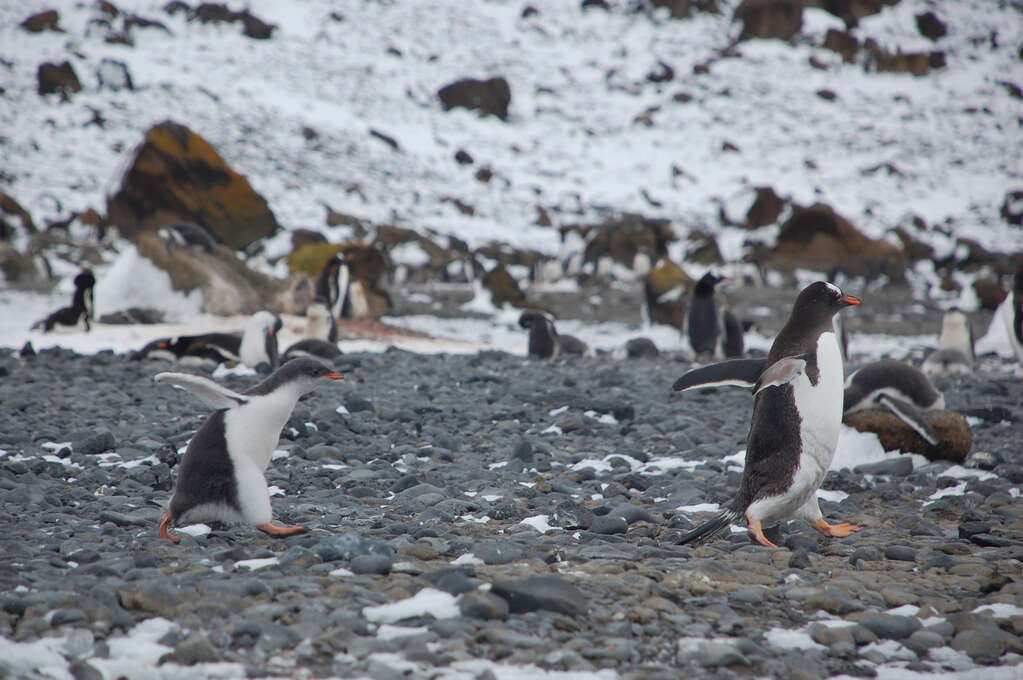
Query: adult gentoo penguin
[(1012, 314), (898, 387), (797, 413), (954, 355), (79, 314), (221, 475), (711, 329), (256, 347), (544, 340)]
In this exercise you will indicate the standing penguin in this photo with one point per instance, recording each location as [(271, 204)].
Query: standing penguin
[(954, 355), (797, 414), (1012, 315), (79, 314), (711, 329), (221, 476), (544, 340)]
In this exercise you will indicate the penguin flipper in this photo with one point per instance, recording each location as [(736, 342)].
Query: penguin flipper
[(215, 395), (911, 415), (738, 372), (780, 372)]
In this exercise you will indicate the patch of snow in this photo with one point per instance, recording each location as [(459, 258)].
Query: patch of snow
[(437, 603)]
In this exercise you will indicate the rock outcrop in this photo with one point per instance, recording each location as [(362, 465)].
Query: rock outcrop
[(490, 97), (176, 176)]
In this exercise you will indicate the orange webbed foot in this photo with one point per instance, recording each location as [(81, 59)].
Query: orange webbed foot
[(165, 523), (274, 530), (835, 530), (757, 530)]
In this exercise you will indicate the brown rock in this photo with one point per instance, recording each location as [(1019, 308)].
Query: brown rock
[(503, 288), (367, 266), (178, 176), (819, 238), (303, 237), (930, 26), (309, 258), (42, 21), (58, 79), (851, 11), (9, 206), (490, 97), (895, 435), (766, 209), (989, 293), (680, 9), (227, 284), (624, 237), (780, 19), (913, 248), (917, 63), (664, 290), (842, 42), (703, 249)]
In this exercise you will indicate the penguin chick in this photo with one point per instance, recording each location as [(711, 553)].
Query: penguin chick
[(221, 476), (954, 355), (797, 415)]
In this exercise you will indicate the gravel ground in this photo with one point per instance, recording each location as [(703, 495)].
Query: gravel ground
[(532, 505)]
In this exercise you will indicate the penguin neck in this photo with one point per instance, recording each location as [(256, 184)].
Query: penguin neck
[(262, 419)]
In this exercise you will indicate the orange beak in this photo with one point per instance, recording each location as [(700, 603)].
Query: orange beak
[(334, 376), (850, 300)]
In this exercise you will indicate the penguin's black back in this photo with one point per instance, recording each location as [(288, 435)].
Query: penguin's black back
[(206, 473), (772, 456)]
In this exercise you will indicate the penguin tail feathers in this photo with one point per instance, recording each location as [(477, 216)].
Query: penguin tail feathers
[(712, 527)]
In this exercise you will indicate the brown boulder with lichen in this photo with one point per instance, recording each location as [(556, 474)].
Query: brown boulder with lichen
[(503, 288), (622, 238), (228, 286), (177, 175), (766, 208), (366, 264), (9, 206), (956, 438), (818, 238), (780, 19), (664, 290)]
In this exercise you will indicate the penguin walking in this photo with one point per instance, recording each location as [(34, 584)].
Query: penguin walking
[(79, 314), (1012, 315), (221, 476), (897, 387), (954, 355), (544, 340), (797, 414), (711, 329)]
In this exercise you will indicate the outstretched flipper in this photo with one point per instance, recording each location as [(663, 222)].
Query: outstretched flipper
[(711, 527), (912, 416), (214, 394), (738, 372), (780, 373)]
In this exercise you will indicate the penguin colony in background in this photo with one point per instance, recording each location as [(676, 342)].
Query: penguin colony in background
[(797, 414), (79, 315), (221, 477)]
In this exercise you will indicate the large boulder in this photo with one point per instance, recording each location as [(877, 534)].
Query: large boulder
[(623, 238), (818, 238), (227, 284), (58, 79), (779, 19), (46, 20), (665, 290), (366, 264), (953, 430), (177, 176), (490, 97)]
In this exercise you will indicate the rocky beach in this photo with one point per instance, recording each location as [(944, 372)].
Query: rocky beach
[(491, 516)]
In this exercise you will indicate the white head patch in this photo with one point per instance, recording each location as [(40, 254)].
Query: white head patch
[(833, 288)]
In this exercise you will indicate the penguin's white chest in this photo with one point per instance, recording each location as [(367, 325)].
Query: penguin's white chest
[(820, 412)]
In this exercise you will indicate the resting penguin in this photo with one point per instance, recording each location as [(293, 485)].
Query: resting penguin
[(1012, 314), (256, 347), (184, 234), (711, 329), (898, 387), (221, 474), (954, 355), (544, 340), (797, 414), (79, 314)]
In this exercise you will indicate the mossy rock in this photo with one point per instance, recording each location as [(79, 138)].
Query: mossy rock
[(665, 290), (310, 258)]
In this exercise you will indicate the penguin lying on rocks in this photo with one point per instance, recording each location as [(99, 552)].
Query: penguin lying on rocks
[(79, 314), (797, 414), (221, 476), (898, 387), (256, 347), (954, 355), (544, 340)]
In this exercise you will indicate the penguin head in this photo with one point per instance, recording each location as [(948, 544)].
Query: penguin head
[(706, 284), (823, 299), (304, 373)]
